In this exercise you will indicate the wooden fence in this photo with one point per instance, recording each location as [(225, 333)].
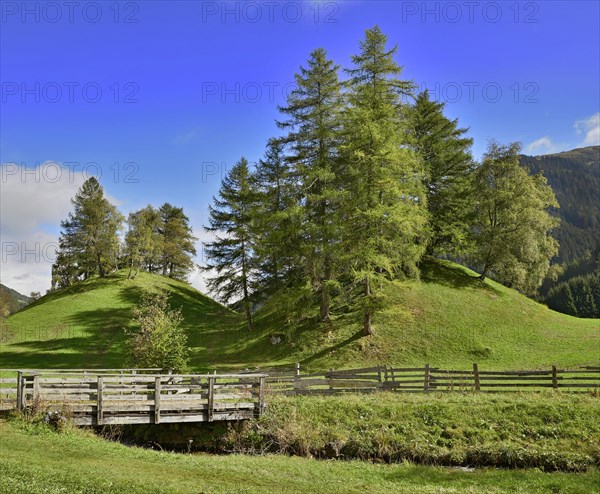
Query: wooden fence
[(143, 396), (131, 397), (430, 379)]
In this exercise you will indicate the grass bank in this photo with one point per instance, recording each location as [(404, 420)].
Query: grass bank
[(35, 459), (533, 430)]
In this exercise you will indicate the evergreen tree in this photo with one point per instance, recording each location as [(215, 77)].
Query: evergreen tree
[(231, 254), (89, 242), (445, 153), (276, 225), (512, 225), (313, 109), (176, 242), (385, 213)]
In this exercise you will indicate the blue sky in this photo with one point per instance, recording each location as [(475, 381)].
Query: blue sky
[(162, 98)]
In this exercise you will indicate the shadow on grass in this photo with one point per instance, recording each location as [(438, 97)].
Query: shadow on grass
[(453, 276)]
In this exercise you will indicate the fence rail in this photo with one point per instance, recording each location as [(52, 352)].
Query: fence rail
[(431, 379)]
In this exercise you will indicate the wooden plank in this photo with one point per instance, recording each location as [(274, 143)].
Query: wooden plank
[(157, 392), (99, 411)]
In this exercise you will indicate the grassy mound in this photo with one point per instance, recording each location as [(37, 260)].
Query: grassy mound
[(448, 319)]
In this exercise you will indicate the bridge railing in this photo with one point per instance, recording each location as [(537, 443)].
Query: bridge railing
[(128, 398)]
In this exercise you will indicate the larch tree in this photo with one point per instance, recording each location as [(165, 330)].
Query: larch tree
[(313, 126), (231, 254), (89, 242), (512, 228), (177, 242), (444, 150), (385, 213)]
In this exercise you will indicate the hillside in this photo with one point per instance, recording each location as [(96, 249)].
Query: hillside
[(575, 178), (447, 319), (11, 300)]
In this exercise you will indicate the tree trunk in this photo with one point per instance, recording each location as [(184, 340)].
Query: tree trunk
[(324, 312), (249, 322), (368, 319)]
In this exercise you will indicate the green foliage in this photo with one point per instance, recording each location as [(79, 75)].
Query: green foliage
[(313, 111), (512, 227), (446, 156), (231, 254), (575, 178), (176, 242), (88, 243), (158, 340), (385, 214)]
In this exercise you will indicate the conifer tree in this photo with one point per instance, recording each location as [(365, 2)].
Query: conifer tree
[(89, 242), (231, 254), (445, 153), (313, 122), (276, 225), (511, 232), (385, 214), (177, 242)]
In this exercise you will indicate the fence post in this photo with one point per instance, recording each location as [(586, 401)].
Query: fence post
[(554, 378), (261, 396), (157, 390), (330, 378), (476, 377), (427, 378), (99, 402), (211, 398), (297, 368), (19, 390)]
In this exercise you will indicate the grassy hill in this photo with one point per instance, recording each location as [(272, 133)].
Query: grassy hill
[(447, 319)]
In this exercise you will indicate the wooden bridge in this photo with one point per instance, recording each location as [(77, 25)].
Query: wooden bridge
[(136, 396)]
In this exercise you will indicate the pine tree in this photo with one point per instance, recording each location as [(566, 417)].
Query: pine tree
[(231, 254), (276, 225), (89, 241), (313, 113), (384, 214), (445, 153), (512, 225), (177, 242)]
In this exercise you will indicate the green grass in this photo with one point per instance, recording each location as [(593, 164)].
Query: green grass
[(551, 431), (448, 319), (36, 460)]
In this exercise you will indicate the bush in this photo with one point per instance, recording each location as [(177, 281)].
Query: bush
[(158, 341)]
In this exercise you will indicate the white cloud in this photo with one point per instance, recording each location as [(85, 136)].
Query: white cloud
[(543, 145), (33, 201), (184, 138), (589, 126)]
